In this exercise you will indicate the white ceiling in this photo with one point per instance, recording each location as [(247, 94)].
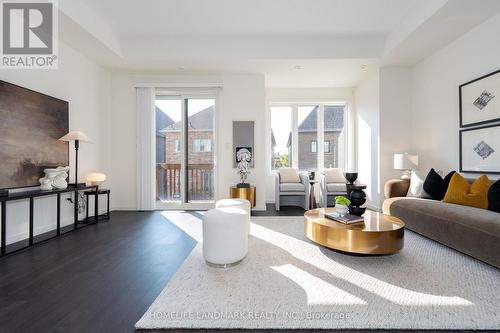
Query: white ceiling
[(328, 39), (251, 17)]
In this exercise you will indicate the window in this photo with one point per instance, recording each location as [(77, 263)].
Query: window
[(334, 134), (177, 145), (309, 137), (281, 137), (314, 146), (327, 147), (202, 145), (307, 131)]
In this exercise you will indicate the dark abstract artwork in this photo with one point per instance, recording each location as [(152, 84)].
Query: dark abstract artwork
[(30, 125)]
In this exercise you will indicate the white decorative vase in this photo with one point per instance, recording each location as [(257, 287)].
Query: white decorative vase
[(342, 210), (54, 178)]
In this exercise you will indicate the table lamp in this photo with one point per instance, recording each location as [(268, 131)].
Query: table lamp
[(405, 162), (96, 178), (76, 136)]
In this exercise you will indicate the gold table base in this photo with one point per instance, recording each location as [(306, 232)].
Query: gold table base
[(243, 193), (379, 234)]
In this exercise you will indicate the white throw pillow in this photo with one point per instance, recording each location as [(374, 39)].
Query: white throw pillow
[(289, 175), (416, 185), (334, 175)]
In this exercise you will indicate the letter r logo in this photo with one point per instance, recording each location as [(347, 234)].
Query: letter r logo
[(27, 27)]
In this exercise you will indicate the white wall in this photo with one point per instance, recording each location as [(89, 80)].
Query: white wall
[(242, 97), (123, 138), (301, 95), (367, 99), (416, 109), (435, 113), (306, 95), (395, 119), (86, 87)]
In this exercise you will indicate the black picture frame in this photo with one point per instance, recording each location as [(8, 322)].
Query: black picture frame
[(460, 95), (460, 144)]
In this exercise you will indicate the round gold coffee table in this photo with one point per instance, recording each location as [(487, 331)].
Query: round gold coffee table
[(379, 234)]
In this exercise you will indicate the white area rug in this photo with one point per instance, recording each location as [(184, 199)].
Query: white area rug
[(286, 281)]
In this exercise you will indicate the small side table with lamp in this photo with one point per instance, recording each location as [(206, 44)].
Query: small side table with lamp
[(405, 162), (96, 179)]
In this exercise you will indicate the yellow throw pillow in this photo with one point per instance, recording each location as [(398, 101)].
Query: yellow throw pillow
[(461, 192)]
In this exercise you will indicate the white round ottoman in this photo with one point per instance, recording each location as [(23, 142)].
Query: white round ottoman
[(236, 203), (225, 236)]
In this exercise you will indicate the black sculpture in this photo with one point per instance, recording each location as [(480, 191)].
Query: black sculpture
[(355, 193)]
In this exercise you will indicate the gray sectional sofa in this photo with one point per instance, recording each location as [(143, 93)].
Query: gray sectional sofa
[(470, 230)]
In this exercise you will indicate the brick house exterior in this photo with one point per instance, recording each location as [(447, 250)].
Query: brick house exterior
[(307, 131), (162, 120), (173, 156)]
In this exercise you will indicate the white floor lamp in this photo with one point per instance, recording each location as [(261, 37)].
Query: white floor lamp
[(76, 136)]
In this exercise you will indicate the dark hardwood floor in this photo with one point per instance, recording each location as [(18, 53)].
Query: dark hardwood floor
[(101, 278)]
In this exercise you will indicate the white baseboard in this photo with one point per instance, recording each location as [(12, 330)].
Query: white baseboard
[(259, 207), (130, 208)]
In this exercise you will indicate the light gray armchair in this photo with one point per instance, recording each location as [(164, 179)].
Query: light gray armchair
[(332, 183), (292, 194)]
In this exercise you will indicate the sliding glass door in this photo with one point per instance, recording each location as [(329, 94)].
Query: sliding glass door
[(200, 153), (169, 156), (185, 173)]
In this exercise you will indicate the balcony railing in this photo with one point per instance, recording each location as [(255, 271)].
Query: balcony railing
[(200, 180)]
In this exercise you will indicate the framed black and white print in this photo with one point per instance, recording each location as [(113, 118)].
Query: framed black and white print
[(480, 149), (480, 100)]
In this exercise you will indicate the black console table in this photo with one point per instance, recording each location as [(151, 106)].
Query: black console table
[(38, 193)]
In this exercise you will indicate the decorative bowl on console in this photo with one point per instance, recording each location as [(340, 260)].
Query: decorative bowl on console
[(54, 178)]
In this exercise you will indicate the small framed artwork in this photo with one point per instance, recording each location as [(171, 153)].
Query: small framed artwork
[(480, 149), (242, 148), (480, 100), (243, 138)]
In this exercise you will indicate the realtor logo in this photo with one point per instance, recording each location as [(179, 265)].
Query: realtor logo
[(29, 34)]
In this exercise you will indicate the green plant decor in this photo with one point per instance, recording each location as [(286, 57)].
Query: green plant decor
[(342, 201)]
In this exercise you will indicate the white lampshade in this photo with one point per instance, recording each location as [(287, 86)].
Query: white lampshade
[(76, 135), (405, 161), (96, 177)]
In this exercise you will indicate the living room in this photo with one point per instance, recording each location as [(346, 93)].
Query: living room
[(186, 164)]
